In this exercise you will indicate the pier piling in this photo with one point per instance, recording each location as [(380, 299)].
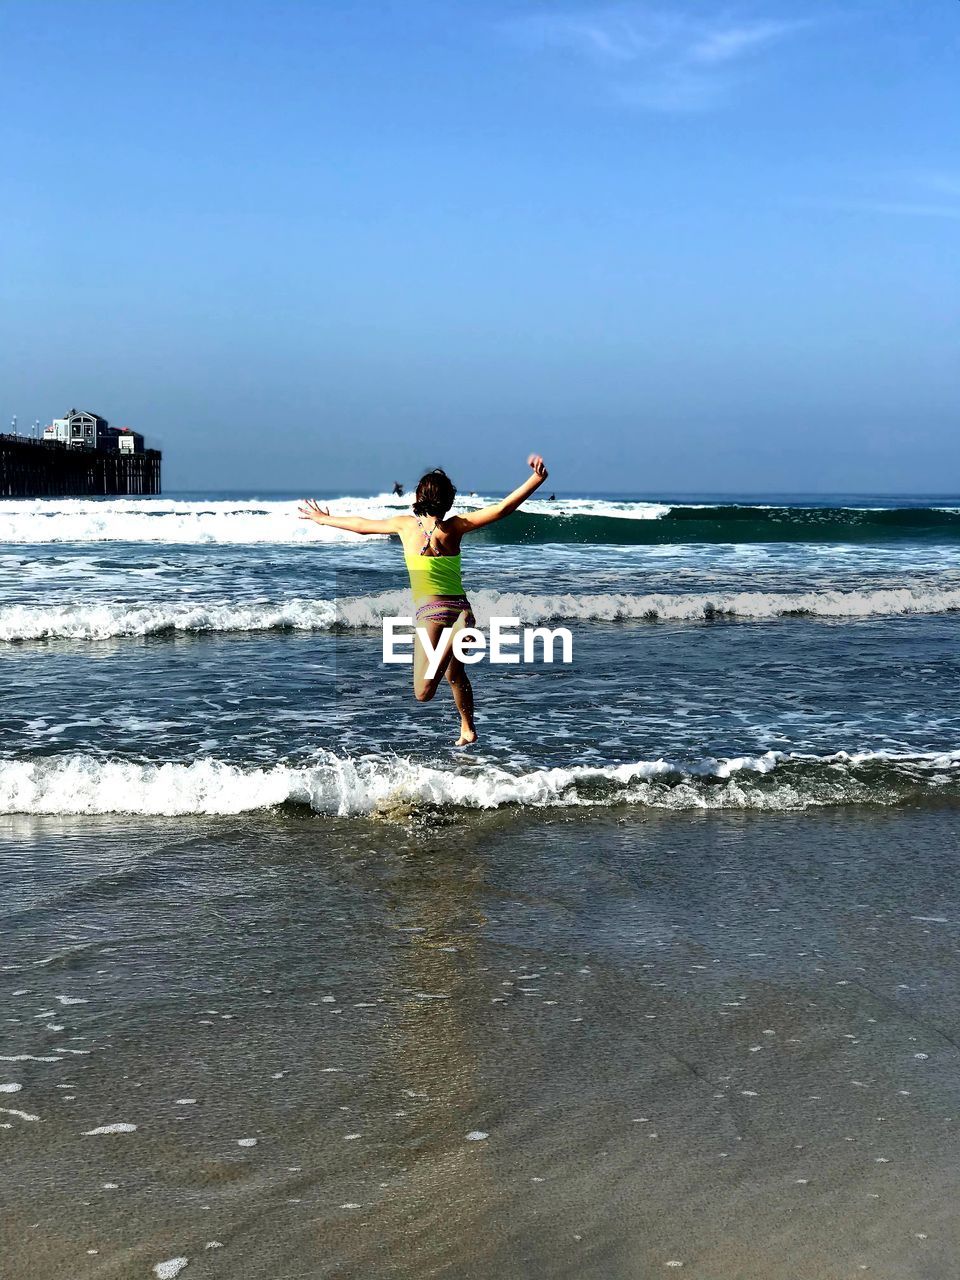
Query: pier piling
[(48, 469)]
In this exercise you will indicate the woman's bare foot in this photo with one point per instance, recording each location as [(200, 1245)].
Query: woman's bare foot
[(468, 735)]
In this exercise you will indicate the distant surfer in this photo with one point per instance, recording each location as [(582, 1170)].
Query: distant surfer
[(397, 489), (431, 547)]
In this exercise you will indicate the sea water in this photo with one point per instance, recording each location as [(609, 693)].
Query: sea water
[(214, 654)]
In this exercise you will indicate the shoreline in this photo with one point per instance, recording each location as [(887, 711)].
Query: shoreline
[(568, 985)]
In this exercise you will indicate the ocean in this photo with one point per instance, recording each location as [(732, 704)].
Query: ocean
[(662, 973)]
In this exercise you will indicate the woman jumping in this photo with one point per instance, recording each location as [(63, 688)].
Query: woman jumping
[(432, 553)]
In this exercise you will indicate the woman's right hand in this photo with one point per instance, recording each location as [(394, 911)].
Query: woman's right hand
[(538, 465), (310, 509)]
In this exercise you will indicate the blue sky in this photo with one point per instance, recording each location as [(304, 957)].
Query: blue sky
[(691, 246)]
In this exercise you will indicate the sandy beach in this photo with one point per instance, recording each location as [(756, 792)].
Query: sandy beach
[(482, 1047)]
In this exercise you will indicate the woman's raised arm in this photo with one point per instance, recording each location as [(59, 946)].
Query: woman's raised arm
[(488, 515), (310, 509)]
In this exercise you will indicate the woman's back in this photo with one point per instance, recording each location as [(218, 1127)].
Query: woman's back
[(427, 536), (432, 554)]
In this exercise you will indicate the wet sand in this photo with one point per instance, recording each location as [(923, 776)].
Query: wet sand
[(604, 1045)]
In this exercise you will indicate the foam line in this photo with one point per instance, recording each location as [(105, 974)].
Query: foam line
[(102, 621), (347, 786)]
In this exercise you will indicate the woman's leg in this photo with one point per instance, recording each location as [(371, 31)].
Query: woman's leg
[(424, 688), (462, 691)]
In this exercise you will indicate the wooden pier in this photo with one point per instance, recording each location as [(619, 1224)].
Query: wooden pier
[(48, 469)]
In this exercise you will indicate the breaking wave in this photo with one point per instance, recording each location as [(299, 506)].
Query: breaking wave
[(733, 524), (391, 785), (191, 522), (581, 520), (101, 621)]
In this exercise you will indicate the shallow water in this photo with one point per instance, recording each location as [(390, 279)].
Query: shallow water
[(726, 1040)]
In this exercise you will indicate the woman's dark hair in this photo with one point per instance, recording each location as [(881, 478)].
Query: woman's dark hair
[(435, 494)]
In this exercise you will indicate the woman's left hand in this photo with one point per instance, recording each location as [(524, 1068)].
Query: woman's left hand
[(310, 509)]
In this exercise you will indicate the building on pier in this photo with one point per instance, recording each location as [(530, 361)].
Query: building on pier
[(79, 455)]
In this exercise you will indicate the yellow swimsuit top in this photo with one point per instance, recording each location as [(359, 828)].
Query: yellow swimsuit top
[(433, 575)]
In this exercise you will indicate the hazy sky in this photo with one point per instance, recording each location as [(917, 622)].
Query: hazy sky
[(678, 246)]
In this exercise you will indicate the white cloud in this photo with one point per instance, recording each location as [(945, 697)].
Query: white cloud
[(725, 44), (944, 184), (907, 209), (658, 59), (907, 195), (620, 35)]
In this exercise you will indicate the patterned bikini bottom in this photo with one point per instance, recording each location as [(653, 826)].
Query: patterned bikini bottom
[(445, 610)]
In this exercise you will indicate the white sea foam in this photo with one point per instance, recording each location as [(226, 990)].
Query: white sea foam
[(106, 620), (29, 1057), (244, 521), (345, 786), (167, 521), (120, 1126), (21, 1115), (169, 1269), (607, 507), (103, 621)]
